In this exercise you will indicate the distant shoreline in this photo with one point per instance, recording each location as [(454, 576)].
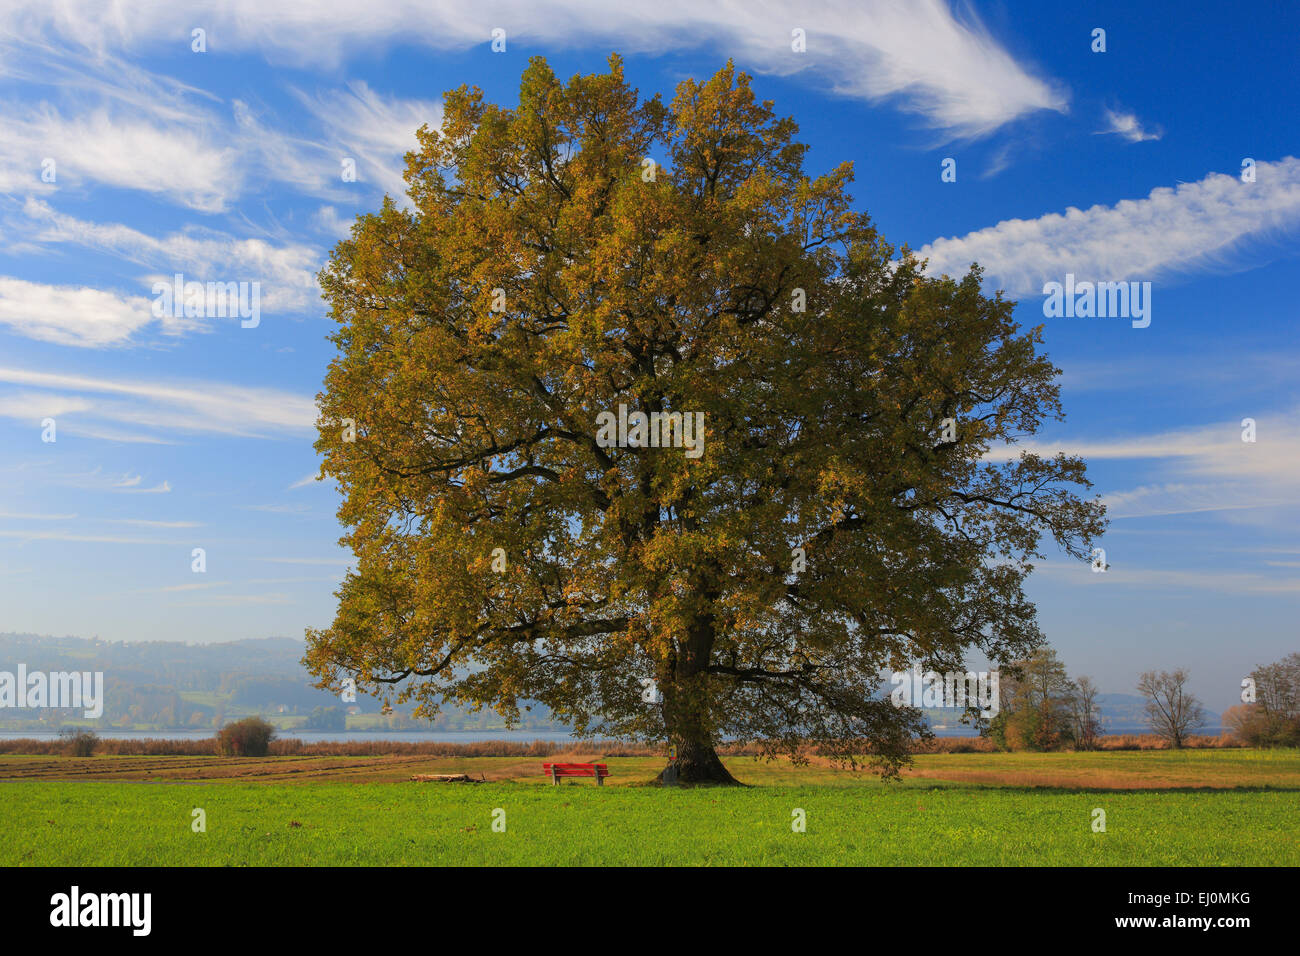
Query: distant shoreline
[(447, 737)]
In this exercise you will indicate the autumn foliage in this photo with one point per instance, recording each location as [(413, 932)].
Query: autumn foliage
[(589, 248), (250, 737)]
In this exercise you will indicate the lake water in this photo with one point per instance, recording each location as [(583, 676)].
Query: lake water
[(319, 736)]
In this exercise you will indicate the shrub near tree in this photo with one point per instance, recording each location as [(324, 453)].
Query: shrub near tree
[(1038, 706), (1248, 724), (250, 737), (81, 743), (327, 718), (1273, 718)]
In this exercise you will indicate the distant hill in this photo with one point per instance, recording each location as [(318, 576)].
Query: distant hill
[(170, 685), (1125, 713)]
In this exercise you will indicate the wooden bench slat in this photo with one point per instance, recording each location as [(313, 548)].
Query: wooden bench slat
[(574, 766), (556, 770)]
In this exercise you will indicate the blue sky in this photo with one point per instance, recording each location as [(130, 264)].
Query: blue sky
[(174, 434)]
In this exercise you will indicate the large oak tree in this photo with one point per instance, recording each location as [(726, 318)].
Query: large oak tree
[(588, 249)]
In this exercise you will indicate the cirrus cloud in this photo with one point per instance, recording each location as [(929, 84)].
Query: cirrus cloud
[(945, 68), (1171, 230)]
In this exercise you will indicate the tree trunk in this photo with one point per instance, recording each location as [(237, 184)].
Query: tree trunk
[(697, 762), (686, 705)]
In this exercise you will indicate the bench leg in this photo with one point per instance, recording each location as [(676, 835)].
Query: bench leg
[(600, 781)]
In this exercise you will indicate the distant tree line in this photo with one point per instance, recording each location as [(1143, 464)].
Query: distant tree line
[(327, 718), (1041, 708)]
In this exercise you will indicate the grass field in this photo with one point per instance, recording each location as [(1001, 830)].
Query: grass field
[(1239, 807)]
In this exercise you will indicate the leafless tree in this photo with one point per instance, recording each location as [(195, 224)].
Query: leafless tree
[(1172, 712), (1085, 713), (1278, 688)]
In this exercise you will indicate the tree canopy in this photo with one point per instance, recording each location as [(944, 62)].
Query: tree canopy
[(588, 249)]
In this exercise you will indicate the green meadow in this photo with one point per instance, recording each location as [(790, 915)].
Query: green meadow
[(847, 819)]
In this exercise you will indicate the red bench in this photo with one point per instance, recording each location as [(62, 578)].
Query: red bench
[(558, 770)]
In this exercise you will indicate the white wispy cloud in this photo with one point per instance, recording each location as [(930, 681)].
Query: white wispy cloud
[(333, 578), (72, 415), (1151, 579), (1213, 450), (72, 315), (1171, 230), (33, 407), (82, 538), (1181, 498), (183, 163), (373, 130), (210, 407), (921, 55), (1128, 126), (176, 588), (310, 479), (287, 272), (135, 488), (97, 479), (1199, 469), (31, 58), (236, 600), (100, 433), (328, 220), (1245, 368), (278, 509), (103, 120), (146, 523), (135, 522)]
